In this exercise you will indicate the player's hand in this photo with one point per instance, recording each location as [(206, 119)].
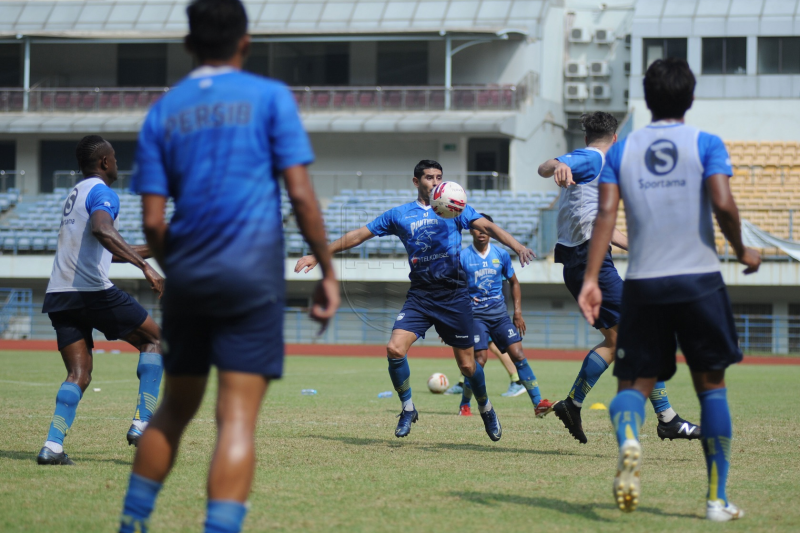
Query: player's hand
[(325, 301), (751, 259), (155, 280), (519, 322), (308, 262), (563, 176), (589, 301), (526, 255)]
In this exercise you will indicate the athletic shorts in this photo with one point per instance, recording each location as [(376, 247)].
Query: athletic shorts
[(450, 314), (610, 285), (649, 336), (498, 329), (112, 311), (250, 342)]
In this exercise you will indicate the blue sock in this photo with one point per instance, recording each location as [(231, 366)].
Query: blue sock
[(528, 380), (659, 397), (715, 419), (225, 516), (466, 392), (592, 368), (478, 384), (627, 414), (138, 505), (66, 404), (149, 373), (400, 374)]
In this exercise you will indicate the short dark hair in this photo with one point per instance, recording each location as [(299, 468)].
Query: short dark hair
[(215, 28), (669, 88), (89, 151), (419, 170), (487, 217), (598, 125)]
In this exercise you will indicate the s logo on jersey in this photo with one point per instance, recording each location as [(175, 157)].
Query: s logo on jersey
[(69, 205), (661, 157)]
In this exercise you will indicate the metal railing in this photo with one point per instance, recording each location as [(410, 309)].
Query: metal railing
[(66, 179), (80, 99), (8, 179), (328, 184), (16, 313)]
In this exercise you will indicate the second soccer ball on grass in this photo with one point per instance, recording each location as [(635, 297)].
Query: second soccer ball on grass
[(438, 383)]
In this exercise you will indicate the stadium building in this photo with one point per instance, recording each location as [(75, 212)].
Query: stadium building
[(490, 88)]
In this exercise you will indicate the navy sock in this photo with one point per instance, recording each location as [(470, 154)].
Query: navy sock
[(528, 380), (659, 397), (225, 516), (66, 405), (627, 414), (138, 505), (466, 392), (715, 419), (149, 373), (592, 368), (478, 385), (400, 374)]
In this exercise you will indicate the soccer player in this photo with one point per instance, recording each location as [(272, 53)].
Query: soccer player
[(486, 267), (80, 297), (671, 177), (515, 387), (577, 174), (217, 143), (438, 295)]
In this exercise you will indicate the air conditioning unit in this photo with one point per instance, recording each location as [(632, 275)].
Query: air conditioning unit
[(604, 36), (601, 91), (580, 35), (575, 69), (627, 68), (599, 69), (576, 91)]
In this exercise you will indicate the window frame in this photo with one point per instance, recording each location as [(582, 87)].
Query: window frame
[(664, 48), (724, 41), (780, 39)]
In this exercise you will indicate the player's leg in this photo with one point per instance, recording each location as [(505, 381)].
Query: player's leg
[(515, 387), (473, 372), (146, 339), (400, 374), (464, 408)]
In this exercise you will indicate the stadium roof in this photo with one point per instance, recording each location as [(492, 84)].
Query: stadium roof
[(164, 18), (683, 18)]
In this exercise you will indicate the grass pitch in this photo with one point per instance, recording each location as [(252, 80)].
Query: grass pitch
[(331, 462)]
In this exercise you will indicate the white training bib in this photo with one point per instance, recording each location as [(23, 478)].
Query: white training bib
[(577, 209)]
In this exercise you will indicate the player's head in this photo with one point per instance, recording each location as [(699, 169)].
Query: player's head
[(479, 237), (600, 128), (96, 157), (217, 31), (669, 88), (427, 175)]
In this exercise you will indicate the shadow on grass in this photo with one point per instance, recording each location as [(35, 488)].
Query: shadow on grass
[(586, 510), (436, 446), (82, 457)]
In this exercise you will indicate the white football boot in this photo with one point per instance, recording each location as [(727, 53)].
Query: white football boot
[(716, 511)]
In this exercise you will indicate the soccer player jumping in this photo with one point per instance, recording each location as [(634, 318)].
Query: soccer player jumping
[(671, 177), (438, 295)]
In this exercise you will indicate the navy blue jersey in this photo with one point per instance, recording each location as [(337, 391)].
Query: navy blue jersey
[(433, 243), (485, 275), (216, 143)]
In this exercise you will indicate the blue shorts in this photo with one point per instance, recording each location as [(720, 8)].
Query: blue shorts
[(497, 328), (649, 335), (250, 342), (450, 314), (609, 281), (75, 314)]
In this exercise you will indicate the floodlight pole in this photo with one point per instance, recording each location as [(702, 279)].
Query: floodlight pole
[(26, 76)]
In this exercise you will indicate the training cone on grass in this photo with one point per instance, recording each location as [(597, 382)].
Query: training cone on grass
[(599, 407)]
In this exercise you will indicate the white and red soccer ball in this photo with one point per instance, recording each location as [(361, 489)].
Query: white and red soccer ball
[(448, 199), (438, 383)]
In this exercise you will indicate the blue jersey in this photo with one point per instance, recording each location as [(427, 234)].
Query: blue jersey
[(433, 244), (216, 143), (585, 163), (485, 274)]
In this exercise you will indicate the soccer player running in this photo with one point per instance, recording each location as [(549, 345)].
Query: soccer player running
[(577, 174), (671, 177), (438, 295), (515, 387), (216, 144), (80, 297), (486, 267)]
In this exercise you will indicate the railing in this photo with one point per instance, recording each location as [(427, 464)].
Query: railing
[(8, 179), (328, 183), (16, 313), (81, 99), (67, 179)]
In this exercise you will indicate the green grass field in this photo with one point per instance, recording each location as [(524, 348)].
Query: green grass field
[(331, 462)]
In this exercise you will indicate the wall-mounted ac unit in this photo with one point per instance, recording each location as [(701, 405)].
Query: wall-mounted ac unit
[(575, 69), (580, 35), (604, 36), (576, 91), (627, 68), (599, 69), (601, 91)]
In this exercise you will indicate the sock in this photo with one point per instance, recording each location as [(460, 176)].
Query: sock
[(715, 419), (666, 416), (466, 393), (225, 516), (660, 401), (591, 370), (528, 380), (149, 373), (66, 404), (401, 374), (138, 505), (408, 405), (478, 384), (514, 377), (627, 414), (485, 407)]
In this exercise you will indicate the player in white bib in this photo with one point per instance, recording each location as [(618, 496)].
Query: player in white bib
[(81, 298), (671, 177)]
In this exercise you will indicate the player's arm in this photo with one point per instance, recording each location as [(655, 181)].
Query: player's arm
[(516, 297), (562, 172), (590, 297), (619, 239), (727, 214), (154, 225), (104, 231), (526, 255), (351, 239)]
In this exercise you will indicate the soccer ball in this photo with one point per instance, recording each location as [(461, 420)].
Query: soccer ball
[(449, 199), (438, 383)]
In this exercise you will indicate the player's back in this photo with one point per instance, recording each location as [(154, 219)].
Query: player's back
[(577, 205)]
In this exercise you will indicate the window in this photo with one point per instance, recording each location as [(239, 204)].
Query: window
[(779, 55), (309, 63), (662, 49), (724, 55), (10, 60), (402, 63), (8, 161), (142, 65)]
